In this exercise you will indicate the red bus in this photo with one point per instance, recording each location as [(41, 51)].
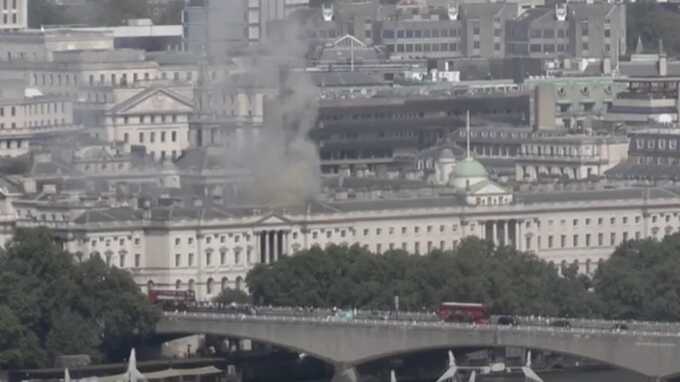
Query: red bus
[(463, 312), (172, 298)]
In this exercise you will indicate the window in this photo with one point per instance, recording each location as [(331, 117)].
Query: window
[(584, 28), (549, 33), (137, 260), (173, 136), (550, 241), (535, 48), (584, 46), (475, 28), (208, 258), (141, 137), (475, 45), (223, 257), (607, 33), (563, 241), (612, 220), (575, 222), (163, 136), (190, 262), (178, 259), (121, 260), (575, 241), (612, 239)]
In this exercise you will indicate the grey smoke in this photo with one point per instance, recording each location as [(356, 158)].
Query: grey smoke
[(285, 164)]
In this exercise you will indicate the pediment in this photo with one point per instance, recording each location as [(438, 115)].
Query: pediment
[(156, 101), (490, 189), (273, 220)]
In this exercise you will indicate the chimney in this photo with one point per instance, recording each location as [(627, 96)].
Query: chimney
[(606, 65), (544, 107), (663, 65)]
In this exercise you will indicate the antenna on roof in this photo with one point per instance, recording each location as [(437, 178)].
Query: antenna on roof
[(467, 132)]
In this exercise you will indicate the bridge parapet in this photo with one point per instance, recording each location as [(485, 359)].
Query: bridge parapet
[(352, 342)]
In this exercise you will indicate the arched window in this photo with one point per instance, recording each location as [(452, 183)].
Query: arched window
[(224, 284), (588, 266), (239, 283), (237, 256), (209, 286), (178, 284), (191, 284)]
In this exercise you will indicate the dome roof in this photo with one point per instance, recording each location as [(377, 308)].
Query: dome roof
[(469, 168)]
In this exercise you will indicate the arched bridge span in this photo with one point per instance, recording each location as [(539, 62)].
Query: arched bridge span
[(350, 343)]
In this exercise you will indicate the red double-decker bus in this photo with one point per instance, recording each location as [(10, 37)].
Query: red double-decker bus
[(463, 312), (174, 299)]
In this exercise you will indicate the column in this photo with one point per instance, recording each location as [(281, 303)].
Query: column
[(494, 229), (265, 235), (345, 373), (482, 229), (272, 246), (258, 246), (506, 225), (278, 236), (519, 238), (286, 249)]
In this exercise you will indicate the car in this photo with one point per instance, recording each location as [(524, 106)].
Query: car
[(561, 324), (507, 321)]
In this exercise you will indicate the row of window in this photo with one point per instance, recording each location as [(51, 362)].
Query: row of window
[(410, 48), (379, 231), (114, 79), (109, 259), (163, 135), (5, 4), (611, 221), (209, 238), (11, 144), (653, 143), (6, 18), (417, 33), (210, 284), (209, 258), (108, 242), (587, 242)]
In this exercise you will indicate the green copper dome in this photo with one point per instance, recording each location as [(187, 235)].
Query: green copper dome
[(469, 168)]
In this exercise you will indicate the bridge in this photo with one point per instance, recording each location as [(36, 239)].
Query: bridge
[(349, 343)]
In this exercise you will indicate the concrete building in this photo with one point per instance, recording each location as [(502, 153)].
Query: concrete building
[(572, 157), (39, 46), (155, 117), (139, 34), (210, 247), (215, 27), (653, 155), (28, 116), (468, 30), (13, 15), (570, 30), (381, 134)]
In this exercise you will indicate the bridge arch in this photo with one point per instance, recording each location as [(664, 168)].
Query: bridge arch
[(357, 342)]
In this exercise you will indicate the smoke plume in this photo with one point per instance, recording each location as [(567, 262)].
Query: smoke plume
[(284, 162)]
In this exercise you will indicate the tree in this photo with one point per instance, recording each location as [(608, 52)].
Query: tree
[(510, 282), (641, 280), (19, 347), (228, 296), (58, 307)]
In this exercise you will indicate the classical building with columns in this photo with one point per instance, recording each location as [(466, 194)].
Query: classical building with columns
[(209, 248)]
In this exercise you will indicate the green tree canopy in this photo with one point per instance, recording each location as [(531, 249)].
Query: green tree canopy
[(510, 282), (641, 280), (228, 296), (60, 307)]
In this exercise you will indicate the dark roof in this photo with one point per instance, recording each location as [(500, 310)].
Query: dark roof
[(577, 196), (336, 79), (632, 170)]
